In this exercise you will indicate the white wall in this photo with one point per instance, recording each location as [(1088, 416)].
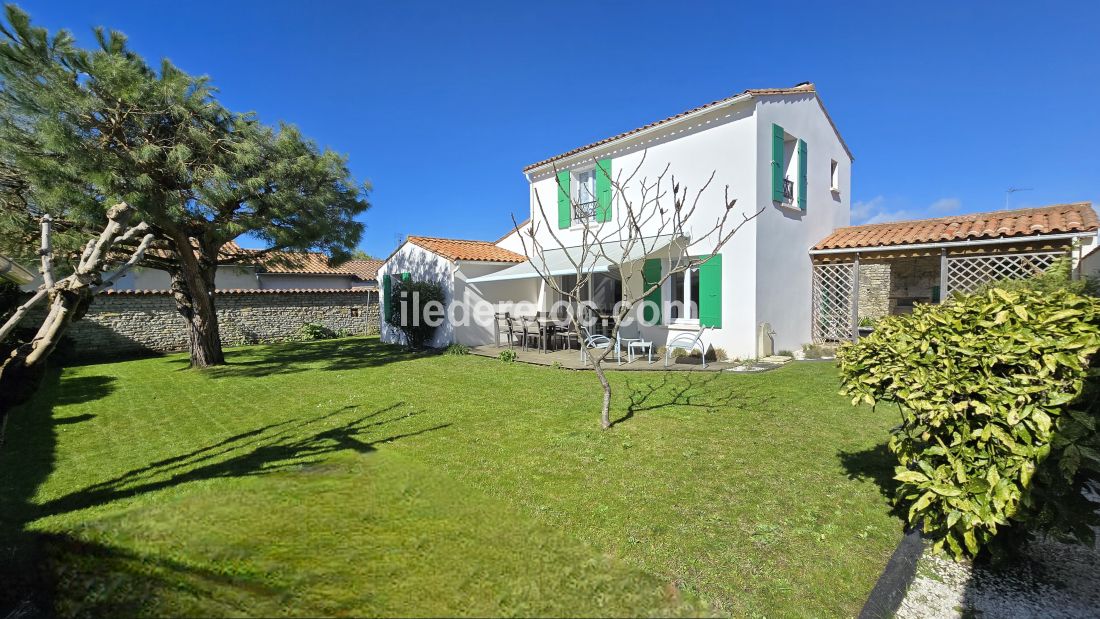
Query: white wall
[(722, 142), (512, 242), (228, 277), (784, 233), (503, 295), (285, 281), (422, 265)]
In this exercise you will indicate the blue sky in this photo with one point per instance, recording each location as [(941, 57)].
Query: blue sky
[(441, 104)]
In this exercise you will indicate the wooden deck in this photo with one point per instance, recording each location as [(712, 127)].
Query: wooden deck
[(571, 360)]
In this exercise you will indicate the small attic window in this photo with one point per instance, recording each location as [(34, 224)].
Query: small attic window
[(834, 176)]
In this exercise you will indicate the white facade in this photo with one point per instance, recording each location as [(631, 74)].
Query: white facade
[(765, 268), (424, 265)]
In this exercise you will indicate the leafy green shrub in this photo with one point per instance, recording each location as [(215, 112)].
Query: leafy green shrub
[(1059, 277), (315, 331), (817, 351), (998, 411), (417, 310), (457, 349), (507, 356)]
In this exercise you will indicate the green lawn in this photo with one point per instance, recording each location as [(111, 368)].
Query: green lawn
[(347, 478)]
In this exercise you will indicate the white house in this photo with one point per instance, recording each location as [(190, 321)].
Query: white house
[(793, 270), (776, 150)]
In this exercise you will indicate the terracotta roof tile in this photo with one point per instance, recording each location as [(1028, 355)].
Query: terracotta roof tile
[(458, 249), (752, 92), (301, 263), (1054, 219), (364, 269)]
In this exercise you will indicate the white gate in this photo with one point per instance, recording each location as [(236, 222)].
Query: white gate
[(966, 274), (832, 302)]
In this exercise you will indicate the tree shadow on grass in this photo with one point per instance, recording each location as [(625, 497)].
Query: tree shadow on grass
[(88, 579), (875, 464), (690, 389), (293, 357), (288, 445), (26, 460)]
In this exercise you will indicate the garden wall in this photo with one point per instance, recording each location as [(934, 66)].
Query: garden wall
[(130, 322)]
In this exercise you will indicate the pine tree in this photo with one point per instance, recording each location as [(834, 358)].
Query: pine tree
[(88, 128)]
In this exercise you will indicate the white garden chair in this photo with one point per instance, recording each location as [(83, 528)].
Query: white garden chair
[(595, 342), (687, 341)]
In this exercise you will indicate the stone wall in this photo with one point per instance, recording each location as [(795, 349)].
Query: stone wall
[(892, 286), (874, 290), (123, 323)]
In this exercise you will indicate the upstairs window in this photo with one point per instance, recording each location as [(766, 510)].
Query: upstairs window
[(789, 169), (584, 196), (834, 175)]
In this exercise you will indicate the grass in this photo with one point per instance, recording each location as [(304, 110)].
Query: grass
[(348, 478)]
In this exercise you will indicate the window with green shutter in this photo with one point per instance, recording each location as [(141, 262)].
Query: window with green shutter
[(802, 174), (565, 207), (710, 292), (603, 190), (777, 162), (651, 274)]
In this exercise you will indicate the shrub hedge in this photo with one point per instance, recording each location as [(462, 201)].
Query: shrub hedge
[(999, 412), (417, 310)]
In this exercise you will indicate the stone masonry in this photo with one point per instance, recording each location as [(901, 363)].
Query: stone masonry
[(874, 289), (122, 323)]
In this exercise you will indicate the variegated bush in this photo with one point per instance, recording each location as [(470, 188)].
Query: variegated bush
[(998, 406)]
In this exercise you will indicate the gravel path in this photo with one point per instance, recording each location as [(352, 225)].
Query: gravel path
[(1054, 580)]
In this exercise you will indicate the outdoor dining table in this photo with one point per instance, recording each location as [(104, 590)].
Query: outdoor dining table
[(549, 326)]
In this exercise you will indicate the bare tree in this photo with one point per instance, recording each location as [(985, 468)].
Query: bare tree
[(21, 372), (660, 218)]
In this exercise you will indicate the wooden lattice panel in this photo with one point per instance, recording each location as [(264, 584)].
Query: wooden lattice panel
[(966, 274), (832, 302)]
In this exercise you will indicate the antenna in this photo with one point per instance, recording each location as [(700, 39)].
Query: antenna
[(1012, 190)]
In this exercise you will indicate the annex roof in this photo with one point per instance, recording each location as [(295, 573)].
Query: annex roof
[(461, 249), (1053, 219)]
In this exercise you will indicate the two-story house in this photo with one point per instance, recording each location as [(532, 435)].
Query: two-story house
[(776, 150), (795, 273)]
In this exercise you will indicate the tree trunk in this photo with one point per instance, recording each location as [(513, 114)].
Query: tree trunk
[(195, 302), (605, 411), (22, 371)]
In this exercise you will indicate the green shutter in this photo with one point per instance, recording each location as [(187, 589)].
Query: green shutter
[(406, 277), (651, 274), (565, 207), (387, 292), (802, 174), (777, 163), (710, 292), (603, 190)]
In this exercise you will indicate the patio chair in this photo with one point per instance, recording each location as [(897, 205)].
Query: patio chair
[(531, 331), (593, 342), (566, 335), (687, 341), (504, 327), (515, 331)]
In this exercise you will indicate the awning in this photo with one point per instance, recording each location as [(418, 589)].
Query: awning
[(597, 259)]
